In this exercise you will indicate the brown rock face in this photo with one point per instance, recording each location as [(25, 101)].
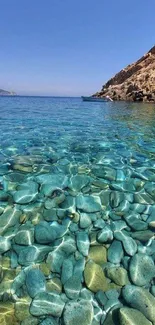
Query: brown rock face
[(136, 82)]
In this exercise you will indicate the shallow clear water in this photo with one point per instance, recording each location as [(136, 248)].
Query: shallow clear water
[(113, 144)]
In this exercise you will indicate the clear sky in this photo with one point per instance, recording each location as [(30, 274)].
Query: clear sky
[(70, 47)]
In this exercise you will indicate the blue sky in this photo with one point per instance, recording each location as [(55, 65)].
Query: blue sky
[(70, 47)]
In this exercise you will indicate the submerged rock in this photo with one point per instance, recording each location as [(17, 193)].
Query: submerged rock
[(44, 233), (88, 203), (98, 254), (115, 252), (94, 277), (26, 193), (78, 312), (35, 282), (141, 269), (118, 275), (140, 299), (72, 287), (47, 304), (130, 316)]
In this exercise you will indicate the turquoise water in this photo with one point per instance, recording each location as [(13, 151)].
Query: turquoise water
[(77, 210)]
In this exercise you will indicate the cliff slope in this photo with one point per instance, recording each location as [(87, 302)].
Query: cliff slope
[(6, 93), (136, 82)]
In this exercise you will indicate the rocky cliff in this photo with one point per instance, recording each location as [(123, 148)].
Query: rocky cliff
[(6, 93), (136, 82)]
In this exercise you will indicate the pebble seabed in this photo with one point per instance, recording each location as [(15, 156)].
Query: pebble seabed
[(77, 240)]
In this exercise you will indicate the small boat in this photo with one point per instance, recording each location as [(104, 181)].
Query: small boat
[(96, 99)]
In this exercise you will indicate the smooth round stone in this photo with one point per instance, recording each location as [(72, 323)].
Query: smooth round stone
[(26, 193), (143, 198), (22, 308), (72, 287), (47, 304), (115, 252), (104, 172), (67, 270), (85, 220), (98, 254), (99, 224), (130, 316), (7, 314), (49, 321), (105, 197), (44, 233), (94, 277), (78, 312), (83, 243), (35, 282), (77, 182), (25, 236), (10, 217), (105, 235), (101, 297), (129, 244), (116, 198), (55, 201), (5, 244), (134, 221), (149, 187), (31, 254), (143, 235), (30, 321), (54, 284), (69, 204), (68, 245), (55, 260), (140, 299), (88, 203), (57, 180), (79, 267), (118, 275), (141, 269)]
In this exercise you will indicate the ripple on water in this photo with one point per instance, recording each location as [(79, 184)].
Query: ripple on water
[(77, 212)]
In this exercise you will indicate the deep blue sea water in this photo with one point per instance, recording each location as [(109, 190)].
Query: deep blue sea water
[(78, 168)]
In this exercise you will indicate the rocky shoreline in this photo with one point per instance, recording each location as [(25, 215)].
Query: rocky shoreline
[(134, 83)]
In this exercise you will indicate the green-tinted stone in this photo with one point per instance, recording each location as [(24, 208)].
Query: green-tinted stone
[(22, 308), (118, 275), (130, 316), (7, 316), (98, 254), (140, 299), (94, 277), (54, 284)]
